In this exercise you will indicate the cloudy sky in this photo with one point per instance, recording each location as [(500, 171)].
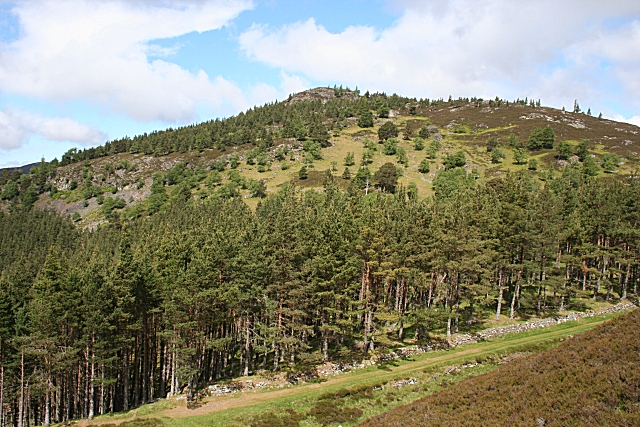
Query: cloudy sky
[(76, 73)]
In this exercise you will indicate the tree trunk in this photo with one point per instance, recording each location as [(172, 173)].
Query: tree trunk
[(500, 293), (247, 349), (163, 374), (325, 345), (174, 379), (92, 387), (625, 284), (1, 385), (125, 375), (21, 402), (101, 409), (516, 294), (47, 404)]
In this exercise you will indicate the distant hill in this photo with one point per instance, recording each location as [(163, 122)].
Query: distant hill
[(23, 168), (591, 380)]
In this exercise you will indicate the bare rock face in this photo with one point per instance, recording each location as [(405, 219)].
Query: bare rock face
[(323, 94)]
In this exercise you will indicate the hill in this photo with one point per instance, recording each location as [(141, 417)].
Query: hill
[(256, 152), (591, 379)]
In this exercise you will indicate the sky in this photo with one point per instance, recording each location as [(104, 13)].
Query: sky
[(77, 73)]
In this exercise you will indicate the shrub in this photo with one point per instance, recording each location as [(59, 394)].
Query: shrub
[(390, 146), (425, 166), (497, 155), (456, 160), (387, 130), (610, 162), (365, 120), (541, 138), (303, 173)]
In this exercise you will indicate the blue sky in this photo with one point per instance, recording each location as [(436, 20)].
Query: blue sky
[(75, 73)]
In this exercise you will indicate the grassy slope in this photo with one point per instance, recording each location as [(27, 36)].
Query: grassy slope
[(248, 408), (481, 123), (589, 380)]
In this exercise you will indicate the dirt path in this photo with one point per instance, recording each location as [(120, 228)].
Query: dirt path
[(245, 399), (384, 372)]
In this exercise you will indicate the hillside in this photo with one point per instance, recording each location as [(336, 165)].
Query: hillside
[(591, 379), (185, 259), (255, 153)]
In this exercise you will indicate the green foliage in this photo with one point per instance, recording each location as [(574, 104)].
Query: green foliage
[(257, 189), (425, 166), (492, 143), (234, 161), (589, 166), (390, 147), (10, 191), (303, 173), (313, 149), (455, 160), (365, 120), (213, 179), (459, 129), (514, 142), (228, 191), (418, 144), (565, 150), (520, 156), (541, 138), (319, 134), (582, 151), (533, 164), (363, 177), (448, 181), (386, 178), (346, 174), (424, 132), (497, 155), (401, 156), (383, 111), (29, 197), (367, 157), (111, 203), (350, 159), (412, 191), (158, 194), (387, 130), (610, 162)]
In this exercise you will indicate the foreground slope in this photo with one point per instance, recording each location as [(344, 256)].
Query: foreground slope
[(592, 379)]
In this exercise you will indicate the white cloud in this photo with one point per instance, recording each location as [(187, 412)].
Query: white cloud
[(292, 83), (17, 127), (545, 49), (635, 120), (99, 51)]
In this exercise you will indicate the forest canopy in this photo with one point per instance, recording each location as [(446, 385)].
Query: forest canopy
[(110, 319)]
